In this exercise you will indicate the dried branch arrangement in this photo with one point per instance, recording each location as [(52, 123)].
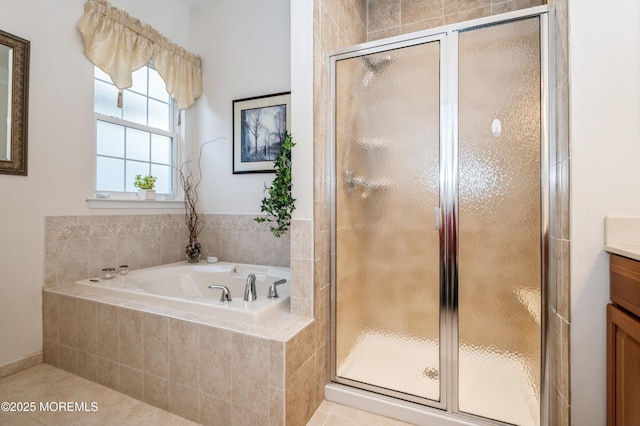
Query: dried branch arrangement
[(190, 187)]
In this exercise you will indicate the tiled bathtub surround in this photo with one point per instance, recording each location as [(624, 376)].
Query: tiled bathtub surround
[(239, 238), (207, 369), (78, 247), (302, 267)]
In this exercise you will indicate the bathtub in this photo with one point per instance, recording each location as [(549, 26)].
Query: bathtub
[(183, 286)]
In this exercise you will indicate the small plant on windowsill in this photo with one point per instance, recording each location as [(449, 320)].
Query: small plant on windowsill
[(279, 204), (145, 185)]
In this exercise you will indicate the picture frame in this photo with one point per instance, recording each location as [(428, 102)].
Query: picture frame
[(259, 127)]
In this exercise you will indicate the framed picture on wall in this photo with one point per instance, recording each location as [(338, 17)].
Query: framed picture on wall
[(259, 126)]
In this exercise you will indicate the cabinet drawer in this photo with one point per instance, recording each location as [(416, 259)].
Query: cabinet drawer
[(625, 283)]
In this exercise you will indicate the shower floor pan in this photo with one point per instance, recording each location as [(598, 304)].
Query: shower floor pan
[(400, 362)]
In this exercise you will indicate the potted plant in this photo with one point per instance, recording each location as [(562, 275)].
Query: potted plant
[(279, 204), (145, 185)]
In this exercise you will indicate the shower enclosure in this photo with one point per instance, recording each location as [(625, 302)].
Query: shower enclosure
[(439, 189)]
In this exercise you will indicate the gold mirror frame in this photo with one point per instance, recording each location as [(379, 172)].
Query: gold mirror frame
[(17, 164)]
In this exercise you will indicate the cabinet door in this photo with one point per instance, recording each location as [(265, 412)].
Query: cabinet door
[(623, 368)]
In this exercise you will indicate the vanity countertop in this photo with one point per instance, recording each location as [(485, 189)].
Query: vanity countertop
[(632, 252), (622, 236)]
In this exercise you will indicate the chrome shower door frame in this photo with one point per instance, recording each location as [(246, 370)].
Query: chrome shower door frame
[(447, 36), (382, 47)]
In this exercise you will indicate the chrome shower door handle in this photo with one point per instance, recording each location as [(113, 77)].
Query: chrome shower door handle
[(437, 217)]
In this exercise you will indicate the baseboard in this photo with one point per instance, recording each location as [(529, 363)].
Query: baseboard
[(21, 364)]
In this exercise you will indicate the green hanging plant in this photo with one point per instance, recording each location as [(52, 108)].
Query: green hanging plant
[(279, 204)]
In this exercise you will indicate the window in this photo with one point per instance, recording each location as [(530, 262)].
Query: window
[(139, 138)]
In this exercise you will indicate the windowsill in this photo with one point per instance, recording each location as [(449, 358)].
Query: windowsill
[(131, 203)]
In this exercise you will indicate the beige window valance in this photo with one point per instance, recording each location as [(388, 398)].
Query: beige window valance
[(120, 44)]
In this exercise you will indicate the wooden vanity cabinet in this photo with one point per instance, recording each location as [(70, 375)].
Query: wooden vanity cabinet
[(623, 343)]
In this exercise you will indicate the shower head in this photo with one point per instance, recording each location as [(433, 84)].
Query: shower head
[(374, 66), (377, 65)]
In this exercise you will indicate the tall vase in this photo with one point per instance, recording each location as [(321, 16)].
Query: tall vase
[(193, 252)]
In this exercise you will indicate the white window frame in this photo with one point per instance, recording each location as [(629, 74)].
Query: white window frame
[(122, 199)]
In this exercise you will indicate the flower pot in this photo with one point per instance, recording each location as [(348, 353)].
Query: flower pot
[(146, 194), (193, 253)]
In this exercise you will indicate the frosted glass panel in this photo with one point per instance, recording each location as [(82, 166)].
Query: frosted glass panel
[(106, 99), (163, 173), (387, 249), (139, 78), (499, 222), (138, 144), (134, 107), (110, 174), (110, 139), (157, 87), (158, 115), (161, 149)]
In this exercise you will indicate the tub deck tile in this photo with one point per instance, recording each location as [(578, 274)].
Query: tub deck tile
[(280, 326)]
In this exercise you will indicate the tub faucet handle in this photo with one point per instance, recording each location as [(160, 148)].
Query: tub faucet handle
[(250, 293), (273, 291), (226, 295)]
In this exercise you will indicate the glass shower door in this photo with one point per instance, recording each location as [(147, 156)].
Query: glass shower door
[(499, 222), (444, 314), (387, 248)]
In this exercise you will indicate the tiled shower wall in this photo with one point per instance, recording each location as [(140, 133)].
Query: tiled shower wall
[(78, 247), (337, 23), (559, 237), (375, 19), (387, 18)]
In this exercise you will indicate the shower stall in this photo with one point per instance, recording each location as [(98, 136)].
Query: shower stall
[(439, 219)]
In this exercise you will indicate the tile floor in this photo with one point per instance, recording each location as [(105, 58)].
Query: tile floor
[(44, 383)]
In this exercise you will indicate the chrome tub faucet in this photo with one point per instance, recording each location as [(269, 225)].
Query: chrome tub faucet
[(250, 293)]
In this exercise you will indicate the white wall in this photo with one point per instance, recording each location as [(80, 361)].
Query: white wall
[(302, 106), (60, 150), (245, 51), (605, 173)]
